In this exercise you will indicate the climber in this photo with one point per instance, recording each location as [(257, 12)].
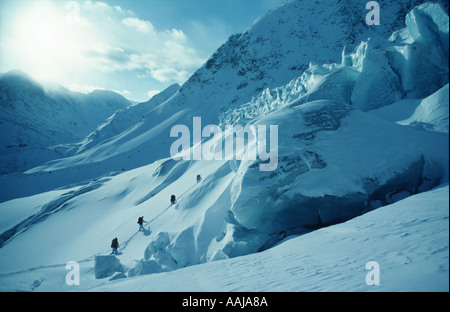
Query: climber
[(114, 245), (141, 222), (172, 199), (199, 178)]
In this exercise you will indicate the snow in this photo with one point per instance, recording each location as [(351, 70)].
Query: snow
[(276, 49), (125, 118), (408, 239), (318, 173), (106, 266), (430, 113), (41, 121), (376, 75), (421, 50), (14, 211), (362, 170)]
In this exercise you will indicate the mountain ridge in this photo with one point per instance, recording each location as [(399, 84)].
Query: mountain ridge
[(340, 153), (35, 120), (267, 55)]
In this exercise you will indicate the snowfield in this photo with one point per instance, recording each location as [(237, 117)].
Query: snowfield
[(359, 192), (408, 239)]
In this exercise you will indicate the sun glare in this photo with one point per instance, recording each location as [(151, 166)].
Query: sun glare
[(44, 34), (44, 41)]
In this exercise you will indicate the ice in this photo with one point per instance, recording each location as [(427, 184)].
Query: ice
[(317, 181), (236, 241), (337, 85), (378, 85), (145, 267), (413, 65), (408, 239), (117, 275), (422, 52), (106, 266), (362, 133), (429, 22), (431, 113)]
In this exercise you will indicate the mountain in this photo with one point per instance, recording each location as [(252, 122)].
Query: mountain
[(280, 45), (35, 121), (125, 118), (276, 49), (361, 145)]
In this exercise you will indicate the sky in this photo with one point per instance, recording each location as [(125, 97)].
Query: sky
[(134, 47)]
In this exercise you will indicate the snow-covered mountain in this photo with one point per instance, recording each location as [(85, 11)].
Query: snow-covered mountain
[(36, 120), (363, 125), (125, 118), (280, 45), (277, 48)]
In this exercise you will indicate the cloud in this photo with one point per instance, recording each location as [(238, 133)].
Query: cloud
[(83, 88), (152, 93), (169, 74), (103, 8), (176, 35), (109, 57), (138, 24), (96, 44), (120, 41), (87, 88), (124, 93)]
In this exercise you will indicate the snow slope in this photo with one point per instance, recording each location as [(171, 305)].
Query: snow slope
[(430, 113), (125, 118), (408, 239), (340, 154), (35, 119)]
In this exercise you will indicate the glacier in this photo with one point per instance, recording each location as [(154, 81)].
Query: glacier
[(307, 190), (363, 131)]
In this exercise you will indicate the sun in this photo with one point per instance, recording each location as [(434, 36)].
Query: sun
[(43, 40), (39, 25), (44, 34)]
